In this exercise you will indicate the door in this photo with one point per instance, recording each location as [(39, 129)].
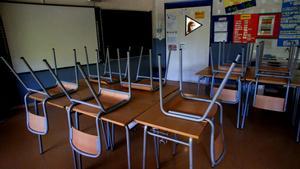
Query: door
[(195, 42)]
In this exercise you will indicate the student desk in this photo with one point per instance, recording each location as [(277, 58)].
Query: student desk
[(62, 102), (295, 83), (250, 78), (125, 115), (154, 119)]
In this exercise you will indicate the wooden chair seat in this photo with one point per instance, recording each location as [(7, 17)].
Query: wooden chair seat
[(85, 142), (222, 76), (269, 103), (272, 69), (268, 80), (154, 118), (228, 95), (55, 90), (226, 68), (107, 98), (179, 104), (143, 84), (105, 80), (37, 123)]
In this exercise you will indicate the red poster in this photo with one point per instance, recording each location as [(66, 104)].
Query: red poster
[(268, 25), (245, 28)]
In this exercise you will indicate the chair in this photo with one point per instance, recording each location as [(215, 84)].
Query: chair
[(36, 123), (276, 76), (102, 102), (232, 95), (188, 108), (143, 82), (108, 77)]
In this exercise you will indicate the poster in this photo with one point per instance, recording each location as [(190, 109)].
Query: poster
[(220, 36), (245, 28), (268, 25), (235, 5), (222, 28), (290, 23)]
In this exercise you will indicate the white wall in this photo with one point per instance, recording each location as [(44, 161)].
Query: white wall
[(33, 30), (135, 5)]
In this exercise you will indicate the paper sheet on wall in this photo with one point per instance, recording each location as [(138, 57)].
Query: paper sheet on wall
[(221, 26), (172, 22), (220, 36)]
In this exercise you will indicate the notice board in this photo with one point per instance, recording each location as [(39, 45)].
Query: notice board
[(290, 23), (245, 28)]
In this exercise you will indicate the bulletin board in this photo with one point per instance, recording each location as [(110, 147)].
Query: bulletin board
[(245, 28), (222, 28), (290, 23)]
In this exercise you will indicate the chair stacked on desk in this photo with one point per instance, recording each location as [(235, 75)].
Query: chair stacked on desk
[(108, 76), (267, 73), (103, 101), (219, 67), (143, 82), (38, 123), (185, 115)]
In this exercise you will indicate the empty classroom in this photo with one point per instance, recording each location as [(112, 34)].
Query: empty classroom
[(146, 84)]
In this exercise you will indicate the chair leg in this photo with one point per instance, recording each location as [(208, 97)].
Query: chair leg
[(238, 114), (145, 147), (190, 153), (41, 149), (128, 147), (75, 159), (295, 107), (78, 127), (40, 141), (298, 133), (79, 161)]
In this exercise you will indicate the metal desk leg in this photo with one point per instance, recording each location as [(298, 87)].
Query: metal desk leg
[(156, 149), (145, 147), (128, 147), (239, 105), (40, 141), (104, 135), (198, 86), (190, 153), (108, 134), (112, 136), (244, 114), (174, 145)]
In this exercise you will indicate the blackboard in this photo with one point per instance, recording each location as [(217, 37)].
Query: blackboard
[(121, 29)]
